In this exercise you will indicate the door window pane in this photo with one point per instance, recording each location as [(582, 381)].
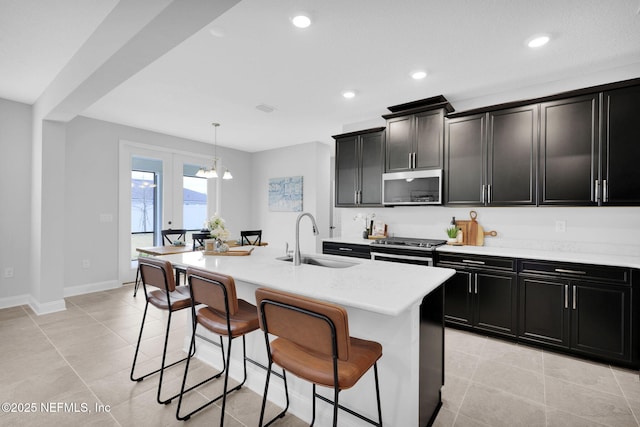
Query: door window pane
[(194, 202), (143, 209)]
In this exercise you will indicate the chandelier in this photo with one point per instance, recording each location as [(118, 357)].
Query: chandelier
[(212, 171)]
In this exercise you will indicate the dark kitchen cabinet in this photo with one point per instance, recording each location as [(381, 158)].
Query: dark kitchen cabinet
[(346, 249), (569, 151), (582, 308), (620, 179), (359, 167), (511, 163), (465, 141), (482, 294), (414, 141)]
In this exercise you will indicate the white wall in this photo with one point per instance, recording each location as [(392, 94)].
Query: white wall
[(611, 230), (312, 162), (15, 201), (91, 184)]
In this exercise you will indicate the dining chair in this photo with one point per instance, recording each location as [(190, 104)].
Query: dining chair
[(169, 236), (252, 237), (313, 343), (156, 273), (224, 314), (199, 237)]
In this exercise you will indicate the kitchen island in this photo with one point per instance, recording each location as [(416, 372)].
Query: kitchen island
[(398, 305)]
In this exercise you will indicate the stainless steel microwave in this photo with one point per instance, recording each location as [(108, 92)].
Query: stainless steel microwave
[(423, 187)]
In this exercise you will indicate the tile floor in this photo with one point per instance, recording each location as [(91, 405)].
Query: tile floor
[(81, 358)]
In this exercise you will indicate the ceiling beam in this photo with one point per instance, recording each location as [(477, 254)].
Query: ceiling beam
[(132, 36)]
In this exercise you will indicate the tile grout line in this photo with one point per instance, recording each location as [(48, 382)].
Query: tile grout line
[(544, 391), (67, 362), (626, 399)]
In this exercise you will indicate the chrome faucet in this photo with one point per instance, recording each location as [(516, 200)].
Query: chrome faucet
[(296, 253)]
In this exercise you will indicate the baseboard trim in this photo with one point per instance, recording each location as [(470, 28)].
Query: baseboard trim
[(15, 301), (47, 307), (90, 288)]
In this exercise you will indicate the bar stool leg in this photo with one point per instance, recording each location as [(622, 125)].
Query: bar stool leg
[(264, 397)]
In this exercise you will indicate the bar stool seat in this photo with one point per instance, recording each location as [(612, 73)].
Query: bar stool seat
[(180, 298), (242, 321), (318, 368)]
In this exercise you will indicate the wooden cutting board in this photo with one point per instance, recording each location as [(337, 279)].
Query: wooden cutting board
[(230, 253), (472, 232)]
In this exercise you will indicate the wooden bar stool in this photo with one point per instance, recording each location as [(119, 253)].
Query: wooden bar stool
[(158, 273), (313, 343), (223, 314)]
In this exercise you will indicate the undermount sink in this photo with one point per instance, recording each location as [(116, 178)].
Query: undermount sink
[(321, 262)]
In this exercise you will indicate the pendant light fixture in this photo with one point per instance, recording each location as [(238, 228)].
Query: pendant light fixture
[(212, 172)]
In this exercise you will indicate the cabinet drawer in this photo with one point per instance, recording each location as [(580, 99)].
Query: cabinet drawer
[(617, 275), (476, 261), (346, 249)]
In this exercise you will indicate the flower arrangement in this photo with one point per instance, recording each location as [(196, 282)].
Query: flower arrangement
[(366, 217), (217, 227)]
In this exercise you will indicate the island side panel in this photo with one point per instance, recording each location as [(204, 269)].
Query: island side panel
[(431, 355)]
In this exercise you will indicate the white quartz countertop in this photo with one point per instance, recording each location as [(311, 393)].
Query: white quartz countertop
[(576, 257), (524, 253), (380, 287)]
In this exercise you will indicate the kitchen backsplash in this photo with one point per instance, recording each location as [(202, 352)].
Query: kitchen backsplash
[(601, 230)]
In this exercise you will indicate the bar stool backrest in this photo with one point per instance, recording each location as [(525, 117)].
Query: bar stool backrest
[(204, 290), (304, 321), (158, 273)]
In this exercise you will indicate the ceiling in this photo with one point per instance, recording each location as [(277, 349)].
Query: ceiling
[(473, 51)]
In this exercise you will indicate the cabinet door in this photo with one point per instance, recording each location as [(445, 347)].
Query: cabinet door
[(347, 170), (372, 164), (600, 320), (544, 311), (621, 151), (399, 143), (457, 299), (568, 151), (464, 144), (512, 155), (496, 302), (429, 139)]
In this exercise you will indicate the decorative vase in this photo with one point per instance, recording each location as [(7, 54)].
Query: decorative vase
[(365, 234)]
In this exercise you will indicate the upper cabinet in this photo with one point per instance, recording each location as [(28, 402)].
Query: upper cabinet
[(569, 151), (465, 144), (359, 167), (620, 174), (491, 158), (415, 135)]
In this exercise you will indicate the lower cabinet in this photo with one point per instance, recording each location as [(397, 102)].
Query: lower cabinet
[(575, 308), (346, 249), (483, 293)]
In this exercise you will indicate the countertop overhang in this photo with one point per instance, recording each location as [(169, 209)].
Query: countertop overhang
[(379, 287)]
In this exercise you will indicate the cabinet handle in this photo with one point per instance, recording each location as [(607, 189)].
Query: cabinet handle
[(471, 261), (469, 282), (597, 191), (489, 193), (345, 249), (476, 283), (413, 165), (359, 197), (410, 160), (575, 297), (566, 296), (482, 194), (562, 270), (605, 191), (355, 197)]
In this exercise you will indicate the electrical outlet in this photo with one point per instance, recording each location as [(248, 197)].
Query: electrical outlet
[(86, 263), (8, 272), (561, 226)]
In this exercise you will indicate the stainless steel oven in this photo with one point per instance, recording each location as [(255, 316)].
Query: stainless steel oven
[(405, 250)]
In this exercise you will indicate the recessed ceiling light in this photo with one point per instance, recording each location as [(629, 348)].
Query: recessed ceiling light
[(419, 75), (537, 41), (301, 21), (348, 94)]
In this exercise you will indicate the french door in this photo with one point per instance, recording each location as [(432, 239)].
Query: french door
[(168, 196)]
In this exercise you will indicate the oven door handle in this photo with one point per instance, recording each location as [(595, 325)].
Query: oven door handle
[(374, 255)]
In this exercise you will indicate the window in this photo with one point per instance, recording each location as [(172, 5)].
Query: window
[(194, 200), (143, 209)]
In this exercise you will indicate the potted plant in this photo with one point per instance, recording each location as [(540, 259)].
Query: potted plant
[(452, 232)]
